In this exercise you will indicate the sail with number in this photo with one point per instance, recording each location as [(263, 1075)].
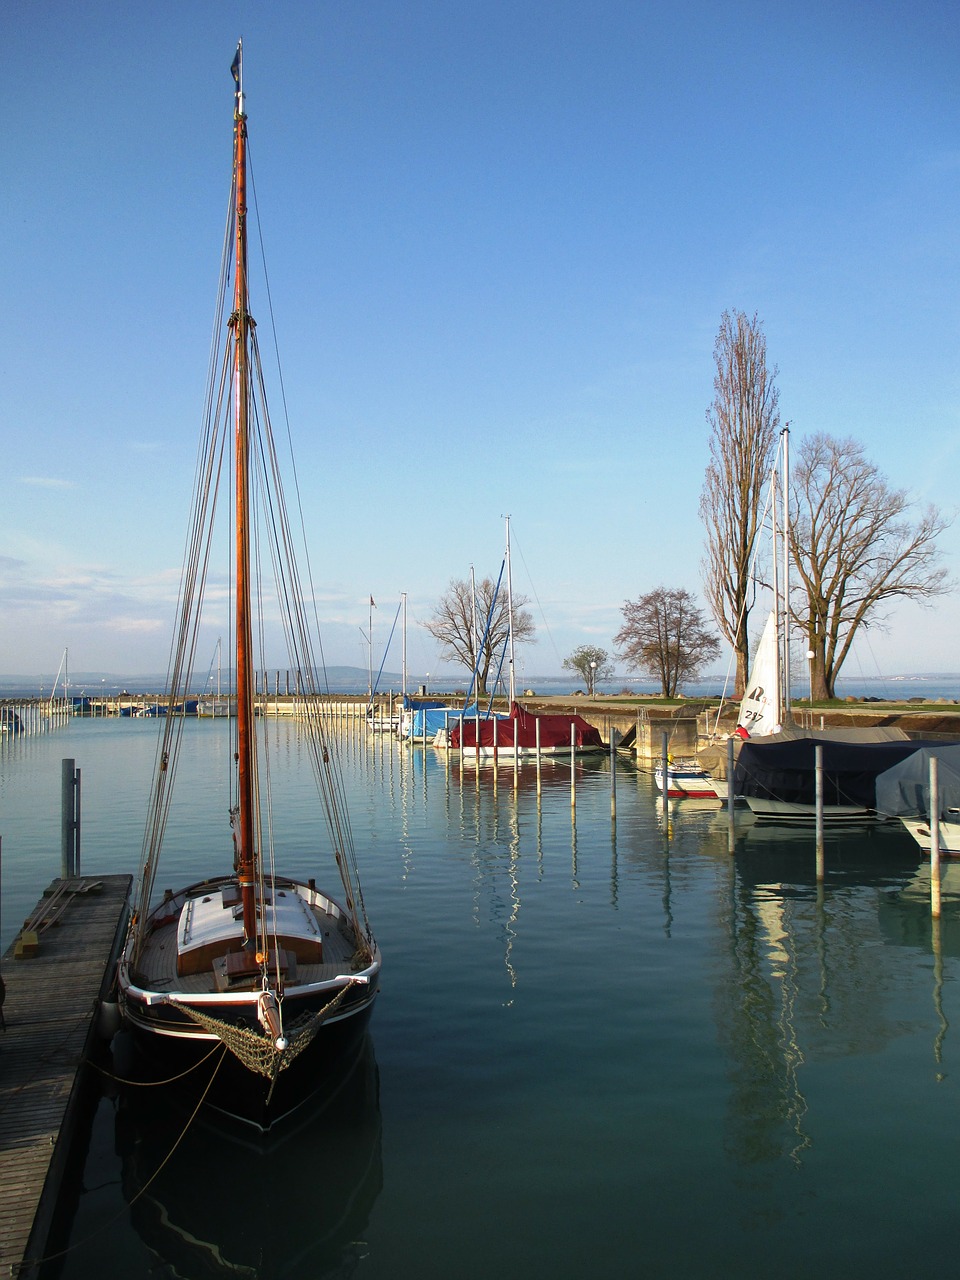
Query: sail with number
[(760, 707)]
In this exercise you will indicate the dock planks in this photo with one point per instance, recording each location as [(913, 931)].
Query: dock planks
[(52, 999)]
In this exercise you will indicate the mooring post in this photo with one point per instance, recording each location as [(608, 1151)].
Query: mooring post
[(613, 777), (934, 837), (731, 825), (69, 819), (818, 809), (573, 766), (664, 775)]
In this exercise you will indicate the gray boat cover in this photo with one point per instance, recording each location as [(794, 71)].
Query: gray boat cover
[(903, 790)]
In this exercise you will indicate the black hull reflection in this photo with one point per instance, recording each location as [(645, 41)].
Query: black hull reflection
[(229, 1202)]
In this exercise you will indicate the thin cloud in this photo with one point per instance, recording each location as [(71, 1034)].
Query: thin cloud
[(47, 482)]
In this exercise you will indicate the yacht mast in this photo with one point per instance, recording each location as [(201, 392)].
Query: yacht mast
[(513, 687), (242, 323), (787, 711), (778, 683), (403, 665)]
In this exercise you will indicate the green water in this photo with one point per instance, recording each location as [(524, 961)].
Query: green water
[(598, 1048)]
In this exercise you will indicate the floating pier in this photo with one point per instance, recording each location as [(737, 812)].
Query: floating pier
[(56, 974)]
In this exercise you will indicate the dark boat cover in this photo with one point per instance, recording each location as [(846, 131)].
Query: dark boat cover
[(786, 770), (554, 731)]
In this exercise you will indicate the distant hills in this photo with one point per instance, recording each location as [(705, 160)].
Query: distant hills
[(351, 679), (337, 679)]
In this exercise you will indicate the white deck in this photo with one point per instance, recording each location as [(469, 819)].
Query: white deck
[(216, 919), (157, 970)]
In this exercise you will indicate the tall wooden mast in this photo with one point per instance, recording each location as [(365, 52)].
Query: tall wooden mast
[(242, 322)]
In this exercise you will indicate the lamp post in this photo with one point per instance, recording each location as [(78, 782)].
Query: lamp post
[(810, 657), (593, 681)]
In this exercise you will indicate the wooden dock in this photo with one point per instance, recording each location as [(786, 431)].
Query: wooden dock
[(66, 959)]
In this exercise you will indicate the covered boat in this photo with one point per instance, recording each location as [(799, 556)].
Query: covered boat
[(777, 776), (903, 791), (524, 733)]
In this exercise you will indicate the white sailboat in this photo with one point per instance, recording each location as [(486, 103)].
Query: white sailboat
[(766, 700)]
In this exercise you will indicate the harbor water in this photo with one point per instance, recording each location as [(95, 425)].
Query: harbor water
[(599, 1047)]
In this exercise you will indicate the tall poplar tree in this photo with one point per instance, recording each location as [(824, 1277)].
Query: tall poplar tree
[(744, 421)]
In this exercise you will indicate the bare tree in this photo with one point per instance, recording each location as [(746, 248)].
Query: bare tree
[(591, 663), (466, 627), (665, 634), (856, 549), (744, 420)]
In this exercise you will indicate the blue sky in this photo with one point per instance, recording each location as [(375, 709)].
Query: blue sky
[(500, 239)]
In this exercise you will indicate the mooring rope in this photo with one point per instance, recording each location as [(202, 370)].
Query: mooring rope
[(151, 1084)]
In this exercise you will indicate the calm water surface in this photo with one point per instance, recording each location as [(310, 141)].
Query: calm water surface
[(596, 1050)]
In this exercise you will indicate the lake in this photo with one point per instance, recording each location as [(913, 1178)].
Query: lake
[(597, 1048)]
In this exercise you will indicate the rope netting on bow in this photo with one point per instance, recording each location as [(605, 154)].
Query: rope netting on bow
[(257, 1050)]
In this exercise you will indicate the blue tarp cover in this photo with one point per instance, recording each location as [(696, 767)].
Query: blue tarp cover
[(437, 717)]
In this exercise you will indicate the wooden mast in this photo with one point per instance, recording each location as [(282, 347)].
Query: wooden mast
[(246, 744)]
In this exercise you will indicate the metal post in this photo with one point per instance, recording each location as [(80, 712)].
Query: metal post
[(934, 837), (665, 776), (69, 819), (613, 777), (573, 770), (731, 826), (818, 782)]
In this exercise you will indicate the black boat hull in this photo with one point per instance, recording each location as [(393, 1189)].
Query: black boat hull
[(202, 1067)]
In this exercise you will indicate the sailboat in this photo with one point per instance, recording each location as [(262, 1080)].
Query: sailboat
[(759, 717), (380, 719), (262, 980), (765, 705), (776, 762)]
